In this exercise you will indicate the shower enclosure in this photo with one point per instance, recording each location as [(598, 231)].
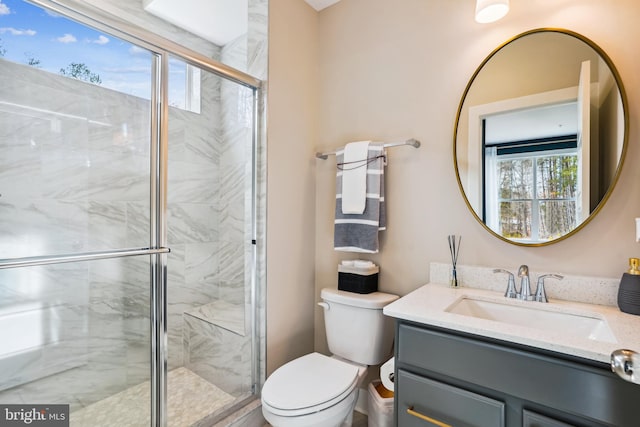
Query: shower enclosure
[(129, 241)]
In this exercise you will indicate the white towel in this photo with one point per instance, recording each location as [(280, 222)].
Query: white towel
[(359, 233), (354, 177)]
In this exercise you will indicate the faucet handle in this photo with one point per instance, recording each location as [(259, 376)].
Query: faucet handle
[(523, 270), (541, 295), (511, 286)]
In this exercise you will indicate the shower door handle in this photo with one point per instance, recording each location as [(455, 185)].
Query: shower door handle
[(626, 363)]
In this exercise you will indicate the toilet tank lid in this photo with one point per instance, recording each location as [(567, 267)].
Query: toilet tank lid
[(374, 300)]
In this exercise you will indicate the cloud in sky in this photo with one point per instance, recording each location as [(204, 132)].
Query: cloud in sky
[(101, 40), (15, 32), (4, 9), (67, 38), (137, 50)]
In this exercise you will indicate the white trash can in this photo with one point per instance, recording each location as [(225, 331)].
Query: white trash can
[(380, 405)]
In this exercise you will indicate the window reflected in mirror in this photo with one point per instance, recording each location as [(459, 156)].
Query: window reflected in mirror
[(540, 136), (523, 202)]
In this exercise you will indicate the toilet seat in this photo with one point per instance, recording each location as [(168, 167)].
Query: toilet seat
[(308, 384)]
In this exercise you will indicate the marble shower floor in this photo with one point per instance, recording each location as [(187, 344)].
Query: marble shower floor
[(191, 398)]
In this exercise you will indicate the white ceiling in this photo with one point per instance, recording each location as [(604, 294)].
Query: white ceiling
[(538, 122), (321, 4), (219, 21)]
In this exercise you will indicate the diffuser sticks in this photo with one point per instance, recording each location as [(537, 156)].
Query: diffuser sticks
[(454, 249)]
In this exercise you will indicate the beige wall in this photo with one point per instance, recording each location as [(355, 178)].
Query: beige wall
[(395, 70), (292, 136)]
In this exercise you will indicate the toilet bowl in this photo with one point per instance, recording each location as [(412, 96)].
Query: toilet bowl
[(313, 390), (321, 391)]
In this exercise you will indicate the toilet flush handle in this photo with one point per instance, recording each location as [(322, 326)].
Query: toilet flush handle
[(324, 305)]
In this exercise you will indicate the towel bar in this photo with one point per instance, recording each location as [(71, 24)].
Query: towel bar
[(412, 142)]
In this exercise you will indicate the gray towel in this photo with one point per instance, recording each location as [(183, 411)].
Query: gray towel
[(359, 232)]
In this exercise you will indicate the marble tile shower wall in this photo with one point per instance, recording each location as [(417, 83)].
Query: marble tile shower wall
[(72, 185), (208, 338), (192, 205), (74, 177), (235, 185)]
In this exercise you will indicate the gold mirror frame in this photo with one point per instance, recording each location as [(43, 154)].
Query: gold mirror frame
[(623, 152)]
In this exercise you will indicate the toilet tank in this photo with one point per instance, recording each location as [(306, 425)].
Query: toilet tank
[(355, 326)]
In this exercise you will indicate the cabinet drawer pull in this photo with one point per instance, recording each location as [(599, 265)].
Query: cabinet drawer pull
[(416, 414)]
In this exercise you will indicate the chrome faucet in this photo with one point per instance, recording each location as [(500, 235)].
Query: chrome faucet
[(511, 291), (541, 295), (525, 284)]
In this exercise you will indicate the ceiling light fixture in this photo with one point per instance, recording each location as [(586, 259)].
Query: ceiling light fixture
[(491, 10)]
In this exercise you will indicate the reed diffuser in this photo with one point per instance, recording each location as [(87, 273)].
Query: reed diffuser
[(454, 249)]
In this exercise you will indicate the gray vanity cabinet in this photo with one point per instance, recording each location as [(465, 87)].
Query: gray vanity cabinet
[(445, 377), (444, 403), (531, 419)]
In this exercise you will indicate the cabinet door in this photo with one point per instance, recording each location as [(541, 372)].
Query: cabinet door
[(531, 419), (425, 402)]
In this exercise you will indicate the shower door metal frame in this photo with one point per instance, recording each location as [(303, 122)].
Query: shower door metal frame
[(161, 49)]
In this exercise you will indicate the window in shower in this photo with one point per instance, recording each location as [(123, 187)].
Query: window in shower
[(46, 41), (184, 86)]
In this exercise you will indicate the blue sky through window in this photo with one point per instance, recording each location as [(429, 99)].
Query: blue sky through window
[(28, 32)]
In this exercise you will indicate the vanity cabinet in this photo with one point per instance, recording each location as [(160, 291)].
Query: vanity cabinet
[(444, 377)]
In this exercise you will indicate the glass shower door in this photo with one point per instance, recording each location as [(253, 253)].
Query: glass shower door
[(74, 196), (210, 232)]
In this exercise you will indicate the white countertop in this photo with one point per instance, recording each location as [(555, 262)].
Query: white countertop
[(427, 305)]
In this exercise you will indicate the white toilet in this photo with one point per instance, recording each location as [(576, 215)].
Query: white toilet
[(317, 390)]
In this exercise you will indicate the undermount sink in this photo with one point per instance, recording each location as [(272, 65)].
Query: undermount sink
[(534, 315)]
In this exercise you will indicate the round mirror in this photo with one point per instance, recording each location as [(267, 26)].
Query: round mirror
[(540, 136)]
